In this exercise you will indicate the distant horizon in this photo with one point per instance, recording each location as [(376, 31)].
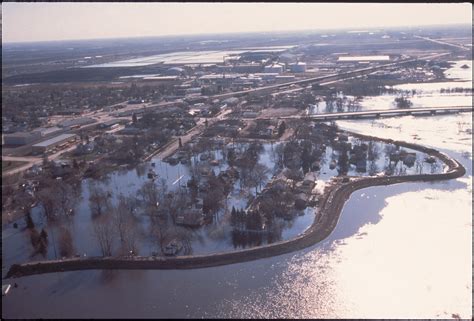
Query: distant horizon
[(29, 22), (320, 30)]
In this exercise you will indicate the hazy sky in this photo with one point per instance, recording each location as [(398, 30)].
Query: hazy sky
[(61, 21)]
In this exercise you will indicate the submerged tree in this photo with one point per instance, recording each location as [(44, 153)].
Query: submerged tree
[(104, 233), (124, 223), (98, 200), (29, 221), (66, 248), (403, 102), (281, 128), (259, 174)]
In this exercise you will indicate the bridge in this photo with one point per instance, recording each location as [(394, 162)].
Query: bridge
[(424, 111)]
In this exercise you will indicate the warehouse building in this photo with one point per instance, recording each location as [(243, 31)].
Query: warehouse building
[(109, 123), (76, 122), (21, 138), (275, 68), (47, 145), (363, 58), (298, 67), (247, 68), (45, 131)]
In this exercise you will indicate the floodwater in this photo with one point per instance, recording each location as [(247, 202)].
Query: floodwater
[(212, 238), (435, 94), (404, 254), (400, 251)]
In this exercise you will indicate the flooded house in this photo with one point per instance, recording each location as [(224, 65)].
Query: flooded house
[(192, 217), (61, 168), (305, 186), (83, 149), (172, 248), (301, 201), (408, 159)]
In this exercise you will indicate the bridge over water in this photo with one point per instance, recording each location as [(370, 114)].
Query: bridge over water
[(424, 111)]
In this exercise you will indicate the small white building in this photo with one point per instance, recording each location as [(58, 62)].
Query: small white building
[(298, 67), (275, 68)]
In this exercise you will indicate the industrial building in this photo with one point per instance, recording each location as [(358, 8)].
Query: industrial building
[(298, 67), (47, 145), (45, 131), (76, 122), (21, 138), (247, 68), (232, 101), (221, 79), (71, 111), (174, 71), (109, 123), (363, 58), (275, 68)]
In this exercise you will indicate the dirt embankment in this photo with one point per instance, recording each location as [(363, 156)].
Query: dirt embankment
[(330, 209)]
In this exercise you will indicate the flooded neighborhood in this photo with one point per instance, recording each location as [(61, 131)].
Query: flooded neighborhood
[(322, 174)]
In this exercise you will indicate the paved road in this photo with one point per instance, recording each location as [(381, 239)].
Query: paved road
[(171, 147), (443, 43)]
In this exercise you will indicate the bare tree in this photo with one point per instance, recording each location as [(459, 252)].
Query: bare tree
[(185, 235), (125, 226), (149, 193), (66, 248), (98, 200), (48, 202), (176, 204), (160, 233), (104, 233), (373, 151), (65, 200), (260, 173), (277, 155)]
